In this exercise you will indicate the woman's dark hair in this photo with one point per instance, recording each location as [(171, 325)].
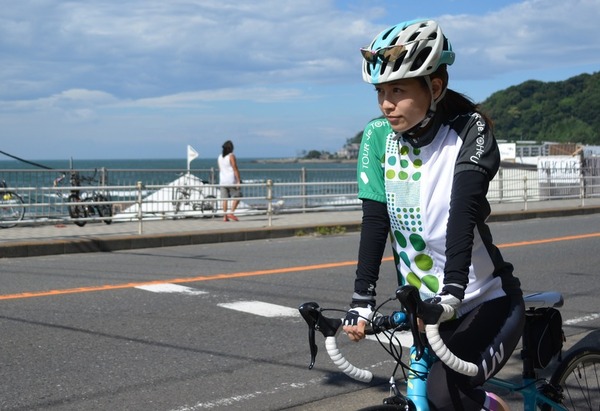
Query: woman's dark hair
[(454, 103), (227, 148)]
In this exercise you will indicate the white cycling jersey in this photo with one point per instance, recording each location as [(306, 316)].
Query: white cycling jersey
[(416, 184)]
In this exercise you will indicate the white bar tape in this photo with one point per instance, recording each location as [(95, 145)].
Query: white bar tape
[(343, 364)]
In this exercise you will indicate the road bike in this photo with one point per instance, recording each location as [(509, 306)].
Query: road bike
[(574, 384), (192, 196), (12, 208), (89, 202)]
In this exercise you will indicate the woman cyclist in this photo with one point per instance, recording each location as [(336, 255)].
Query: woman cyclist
[(423, 172)]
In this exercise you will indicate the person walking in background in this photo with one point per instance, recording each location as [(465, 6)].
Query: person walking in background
[(229, 179)]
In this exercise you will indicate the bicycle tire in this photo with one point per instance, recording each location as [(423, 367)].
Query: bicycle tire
[(578, 376), (104, 210), (11, 209), (77, 210)]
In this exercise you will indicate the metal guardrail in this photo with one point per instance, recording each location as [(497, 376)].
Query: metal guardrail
[(47, 204)]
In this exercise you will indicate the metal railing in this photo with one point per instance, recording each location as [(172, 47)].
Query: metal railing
[(147, 200)]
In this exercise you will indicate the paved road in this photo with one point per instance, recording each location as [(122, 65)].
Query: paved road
[(170, 328), (23, 241)]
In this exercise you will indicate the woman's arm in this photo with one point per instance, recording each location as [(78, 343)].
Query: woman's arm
[(236, 172)]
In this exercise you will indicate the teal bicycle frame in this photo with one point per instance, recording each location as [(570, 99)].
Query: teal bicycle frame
[(528, 390), (416, 385)]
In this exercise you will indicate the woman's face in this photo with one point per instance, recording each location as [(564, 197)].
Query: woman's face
[(404, 103)]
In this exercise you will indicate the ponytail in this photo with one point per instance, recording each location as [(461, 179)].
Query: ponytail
[(455, 104)]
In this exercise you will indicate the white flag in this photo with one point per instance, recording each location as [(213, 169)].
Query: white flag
[(192, 154)]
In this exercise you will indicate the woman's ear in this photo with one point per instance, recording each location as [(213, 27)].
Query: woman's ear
[(437, 87)]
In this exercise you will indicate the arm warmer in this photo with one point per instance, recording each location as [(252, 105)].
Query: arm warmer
[(373, 238), (468, 208)]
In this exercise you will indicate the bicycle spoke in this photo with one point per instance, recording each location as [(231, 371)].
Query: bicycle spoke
[(580, 387), (579, 379)]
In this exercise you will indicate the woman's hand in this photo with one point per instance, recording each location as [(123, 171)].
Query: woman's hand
[(356, 321)]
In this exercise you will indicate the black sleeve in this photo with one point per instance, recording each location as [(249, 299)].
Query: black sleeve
[(373, 239), (479, 150), (468, 207)]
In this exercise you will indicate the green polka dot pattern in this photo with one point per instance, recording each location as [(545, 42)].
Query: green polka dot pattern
[(403, 176)]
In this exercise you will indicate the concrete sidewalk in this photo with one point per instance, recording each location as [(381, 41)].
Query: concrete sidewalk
[(27, 241)]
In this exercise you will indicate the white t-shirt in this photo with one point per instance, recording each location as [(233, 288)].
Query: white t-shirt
[(226, 172)]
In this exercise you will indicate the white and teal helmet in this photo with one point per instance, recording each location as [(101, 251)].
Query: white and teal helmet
[(410, 49)]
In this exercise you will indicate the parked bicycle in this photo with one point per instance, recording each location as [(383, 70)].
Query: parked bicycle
[(89, 202), (12, 208), (574, 384), (192, 196)]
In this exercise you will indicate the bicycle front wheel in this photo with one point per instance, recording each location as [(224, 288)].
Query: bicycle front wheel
[(77, 210), (578, 376), (104, 210), (11, 209)]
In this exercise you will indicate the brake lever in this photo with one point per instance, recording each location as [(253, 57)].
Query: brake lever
[(316, 321), (408, 296)]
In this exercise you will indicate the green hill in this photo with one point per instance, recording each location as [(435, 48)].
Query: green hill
[(562, 111)]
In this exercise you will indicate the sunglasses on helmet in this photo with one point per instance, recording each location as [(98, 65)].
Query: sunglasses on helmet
[(389, 53)]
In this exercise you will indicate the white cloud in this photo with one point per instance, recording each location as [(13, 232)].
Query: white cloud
[(266, 69), (255, 94), (533, 34)]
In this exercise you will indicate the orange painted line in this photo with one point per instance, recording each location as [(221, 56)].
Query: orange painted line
[(550, 240), (227, 276)]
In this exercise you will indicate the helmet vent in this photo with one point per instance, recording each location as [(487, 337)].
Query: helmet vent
[(388, 33), (398, 64), (420, 59), (383, 66)]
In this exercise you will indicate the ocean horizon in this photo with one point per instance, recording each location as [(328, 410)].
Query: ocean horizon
[(170, 163), (164, 171)]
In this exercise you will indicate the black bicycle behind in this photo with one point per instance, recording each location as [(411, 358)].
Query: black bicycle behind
[(87, 203)]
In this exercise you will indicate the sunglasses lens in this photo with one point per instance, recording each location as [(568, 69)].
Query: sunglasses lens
[(393, 53), (369, 55)]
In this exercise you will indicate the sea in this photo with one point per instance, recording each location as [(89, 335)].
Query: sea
[(34, 180), (252, 169)]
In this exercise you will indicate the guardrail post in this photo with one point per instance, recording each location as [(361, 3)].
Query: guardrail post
[(140, 187), (525, 192), (303, 188), (270, 202), (501, 184), (582, 187), (103, 177)]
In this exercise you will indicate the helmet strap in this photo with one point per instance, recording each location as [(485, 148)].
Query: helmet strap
[(411, 133), (428, 116)]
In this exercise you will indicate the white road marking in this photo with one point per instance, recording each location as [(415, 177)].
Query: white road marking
[(262, 309), (582, 319), (171, 288), (241, 398)]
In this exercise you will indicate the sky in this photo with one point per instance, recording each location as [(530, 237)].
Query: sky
[(143, 79)]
